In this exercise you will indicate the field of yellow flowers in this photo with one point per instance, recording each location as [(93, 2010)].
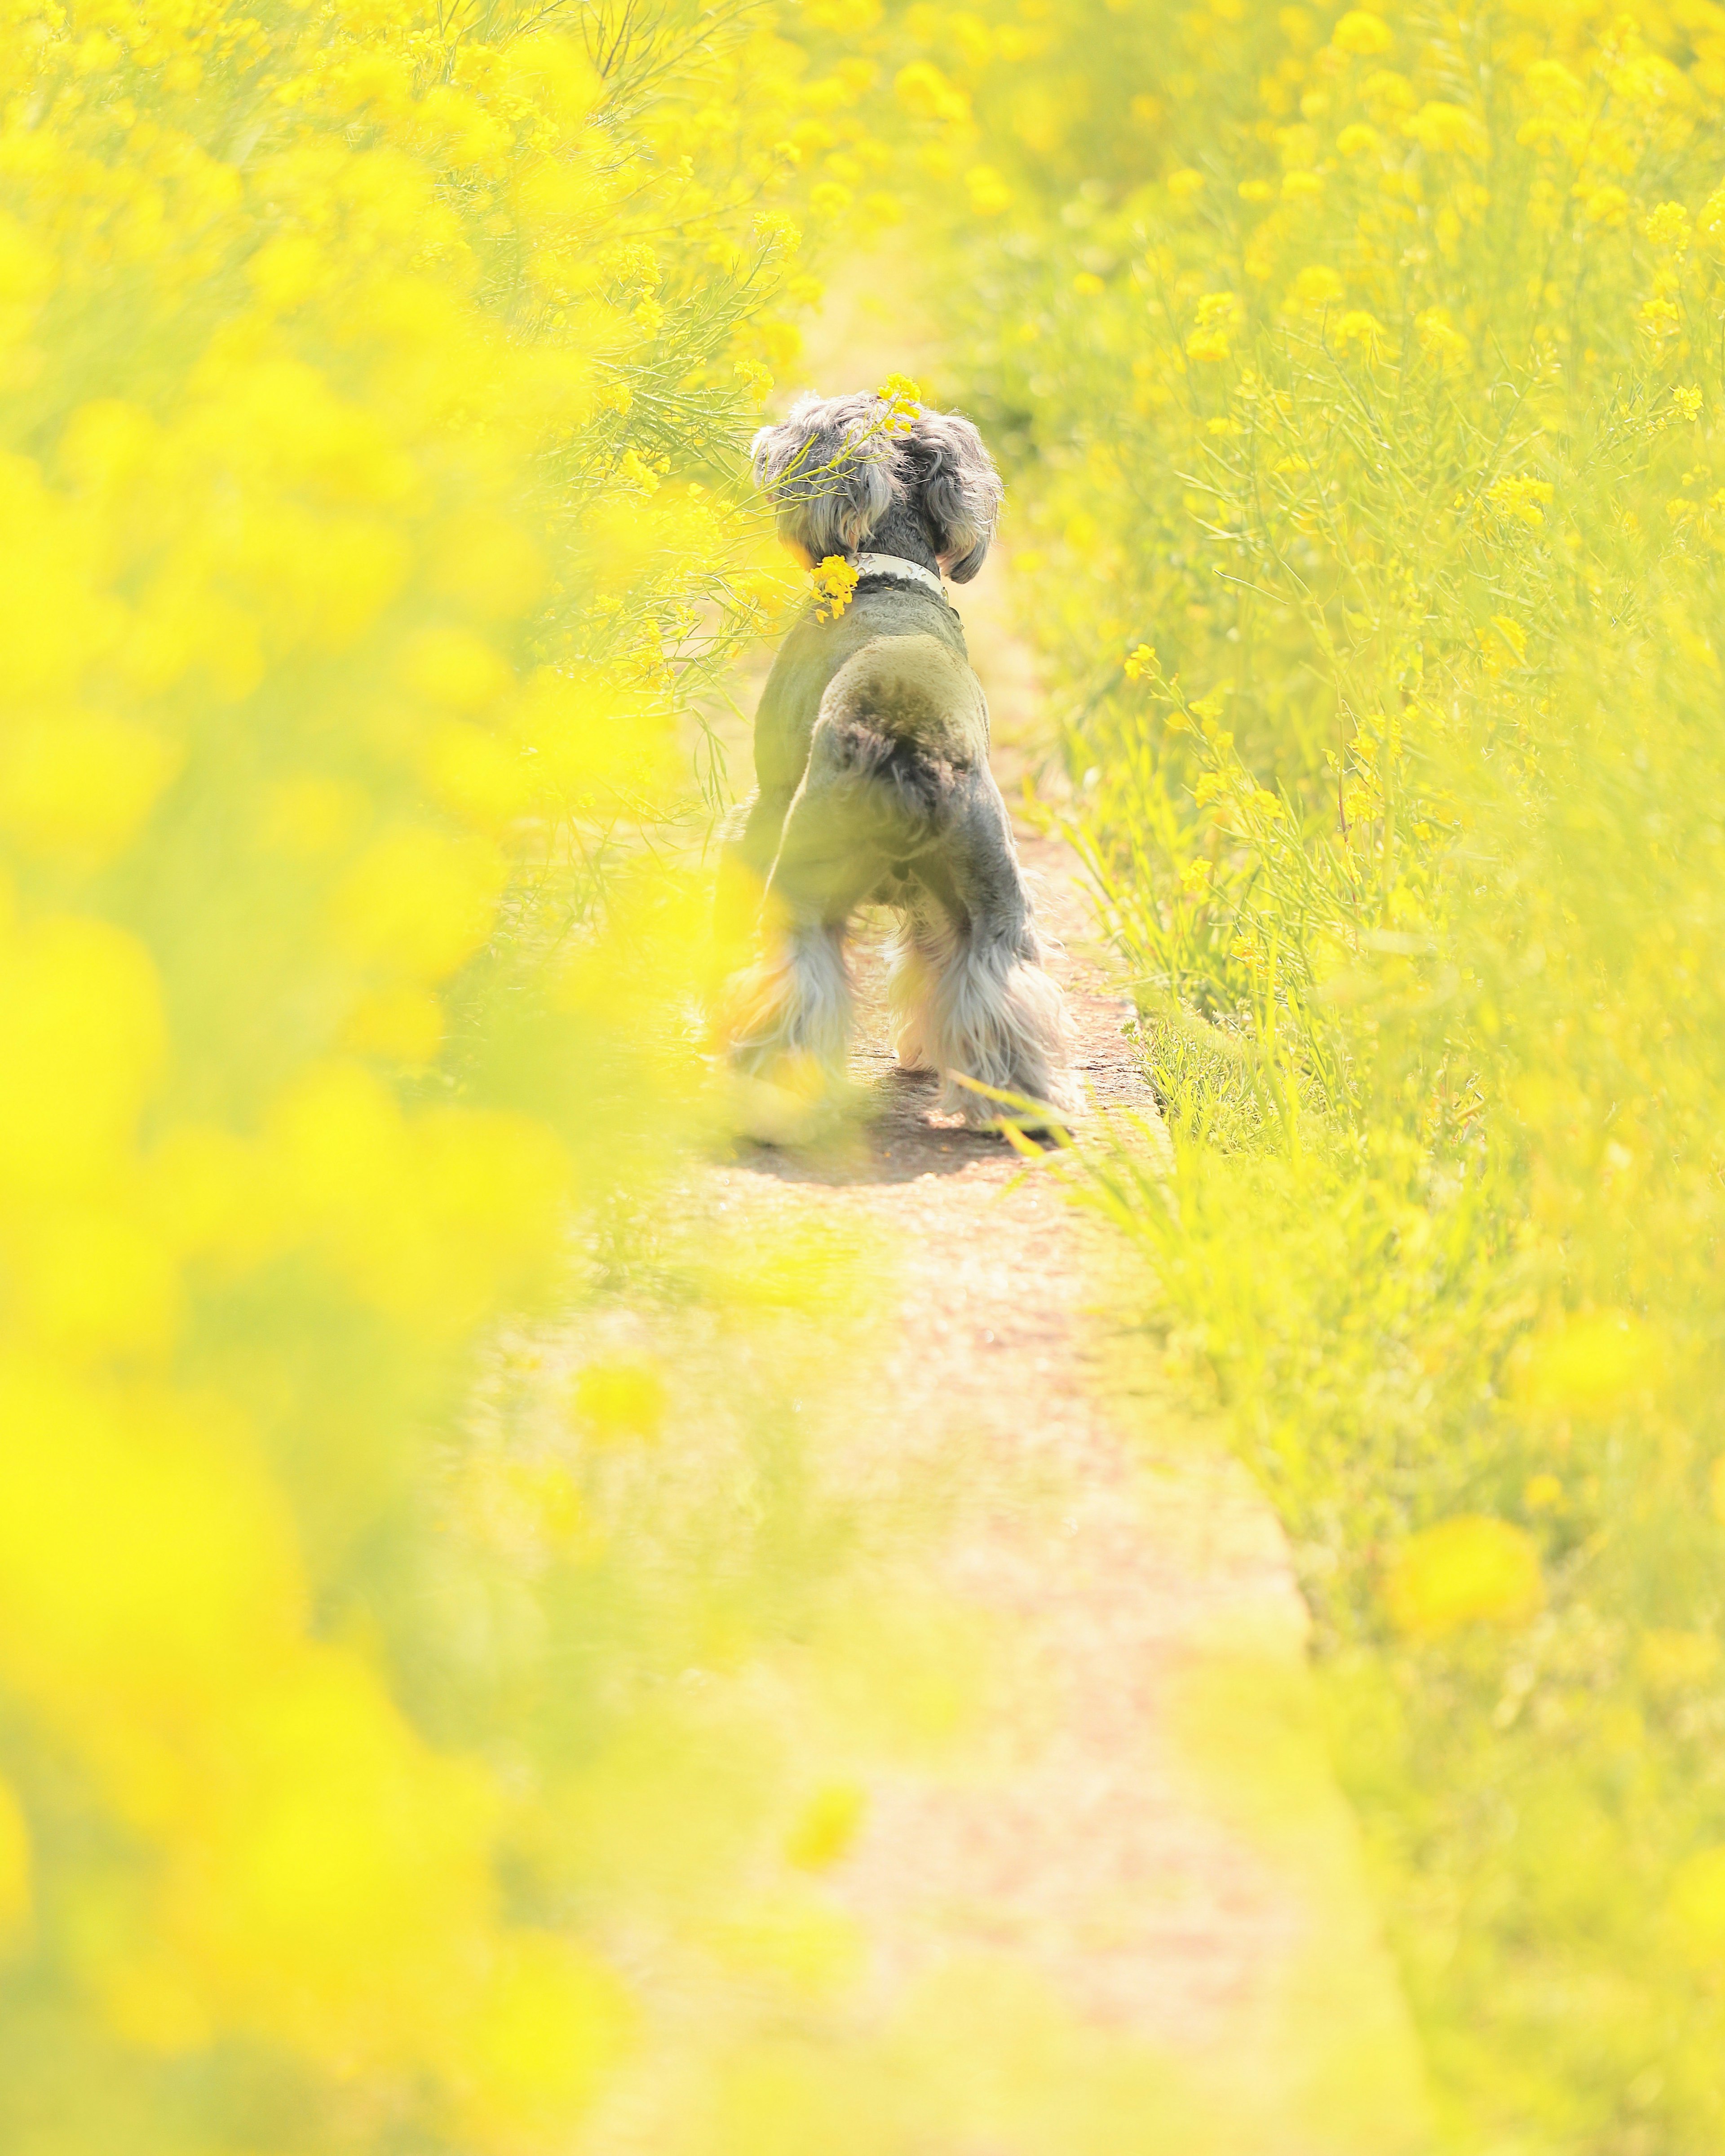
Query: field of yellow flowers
[(373, 378), (1361, 370)]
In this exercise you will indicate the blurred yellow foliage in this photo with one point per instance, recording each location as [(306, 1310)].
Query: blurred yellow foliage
[(1469, 1570), (1697, 1910), (371, 379), (620, 1399), (1592, 1364), (826, 1827), (1410, 840), (15, 1895)]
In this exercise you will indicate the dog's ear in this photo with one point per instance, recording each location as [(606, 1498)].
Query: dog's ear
[(958, 490), (827, 468)]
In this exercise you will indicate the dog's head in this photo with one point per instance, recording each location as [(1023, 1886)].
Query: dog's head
[(837, 465)]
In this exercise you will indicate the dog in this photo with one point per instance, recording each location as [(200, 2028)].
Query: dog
[(871, 764)]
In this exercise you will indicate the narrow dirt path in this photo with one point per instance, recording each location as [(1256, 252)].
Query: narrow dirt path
[(1142, 1827)]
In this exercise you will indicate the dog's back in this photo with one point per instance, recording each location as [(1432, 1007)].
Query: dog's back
[(816, 652), (888, 688)]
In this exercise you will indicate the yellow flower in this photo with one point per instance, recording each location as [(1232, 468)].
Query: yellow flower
[(418, 902), (989, 194), (454, 666), (1696, 1909), (1184, 183), (1357, 327), (975, 40), (86, 1040), (1521, 497), (826, 1827), (925, 92), (1361, 34), (96, 1281), (79, 782), (404, 1023), (1441, 126), (1607, 206), (1385, 87), (148, 1565), (1317, 286), (1591, 1363), (1710, 221), (1468, 1570), (1672, 1661), (27, 270), (482, 778), (902, 396), (1217, 314), (1358, 140), (1139, 662), (835, 583), (620, 1399), (1549, 82), (1512, 638), (1668, 227), (550, 2020), (15, 1895)]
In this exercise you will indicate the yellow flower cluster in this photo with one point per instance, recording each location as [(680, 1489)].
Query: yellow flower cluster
[(902, 399), (834, 581)]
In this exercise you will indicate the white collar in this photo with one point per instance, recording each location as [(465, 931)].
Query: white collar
[(895, 565)]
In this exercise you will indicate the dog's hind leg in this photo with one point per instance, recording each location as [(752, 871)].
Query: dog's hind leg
[(793, 1005), (983, 1006), (795, 1002)]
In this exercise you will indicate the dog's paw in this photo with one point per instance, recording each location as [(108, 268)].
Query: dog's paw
[(1053, 1106)]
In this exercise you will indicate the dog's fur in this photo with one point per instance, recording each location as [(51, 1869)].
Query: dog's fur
[(871, 761)]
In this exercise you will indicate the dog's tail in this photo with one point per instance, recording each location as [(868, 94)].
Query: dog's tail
[(897, 790)]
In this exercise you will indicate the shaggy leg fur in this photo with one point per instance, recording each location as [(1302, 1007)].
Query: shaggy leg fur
[(796, 1002), (994, 1015), (793, 1003), (918, 954), (970, 997)]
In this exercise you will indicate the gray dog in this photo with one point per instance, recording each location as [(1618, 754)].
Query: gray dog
[(871, 763)]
